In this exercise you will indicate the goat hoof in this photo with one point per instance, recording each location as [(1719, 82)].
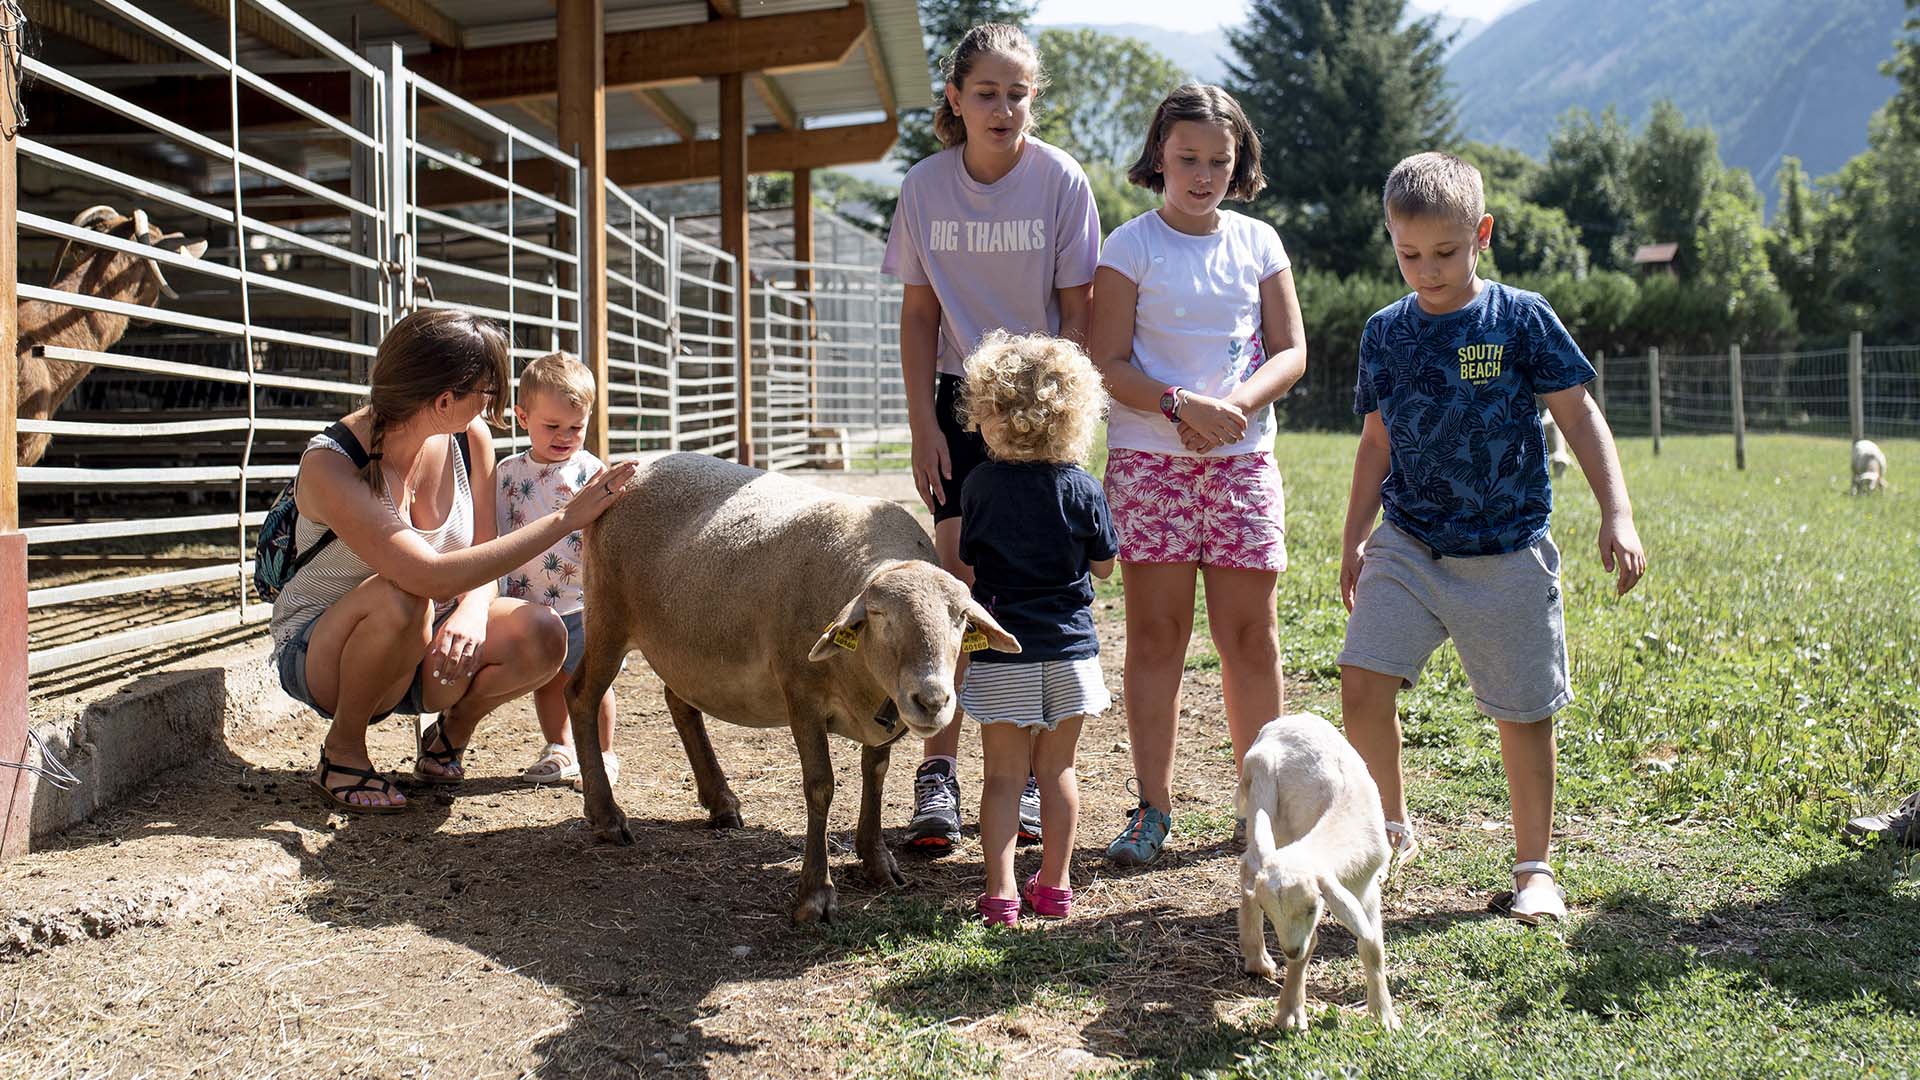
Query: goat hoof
[(724, 819), (1295, 1020), (815, 907), (1262, 967), (1388, 1018)]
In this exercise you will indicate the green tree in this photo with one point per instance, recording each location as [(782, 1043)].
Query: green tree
[(1117, 198), (1794, 250), (1733, 249), (1103, 92), (1585, 176), (942, 24), (1503, 168), (1533, 239), (1340, 91), (1903, 112), (1673, 170)]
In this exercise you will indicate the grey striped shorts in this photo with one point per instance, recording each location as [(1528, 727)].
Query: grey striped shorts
[(1035, 695)]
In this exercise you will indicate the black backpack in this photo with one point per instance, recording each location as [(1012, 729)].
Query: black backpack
[(276, 558)]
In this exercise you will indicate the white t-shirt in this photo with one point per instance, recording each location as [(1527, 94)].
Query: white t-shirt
[(530, 490), (997, 253), (1197, 321)]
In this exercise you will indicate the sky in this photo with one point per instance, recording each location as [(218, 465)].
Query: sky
[(1198, 15)]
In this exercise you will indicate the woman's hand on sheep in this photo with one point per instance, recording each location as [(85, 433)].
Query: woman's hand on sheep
[(602, 491), (932, 468), (455, 652), (1219, 422), (1621, 553)]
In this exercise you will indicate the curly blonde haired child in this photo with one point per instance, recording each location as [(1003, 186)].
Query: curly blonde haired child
[(1034, 526)]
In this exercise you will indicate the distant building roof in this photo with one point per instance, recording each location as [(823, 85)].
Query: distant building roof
[(1655, 254)]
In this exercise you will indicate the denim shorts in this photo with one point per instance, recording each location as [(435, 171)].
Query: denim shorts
[(292, 662)]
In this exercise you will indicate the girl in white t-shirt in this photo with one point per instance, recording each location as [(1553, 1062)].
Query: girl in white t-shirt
[(1196, 331), (996, 232)]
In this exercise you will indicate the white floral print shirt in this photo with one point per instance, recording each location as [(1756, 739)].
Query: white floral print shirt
[(530, 490)]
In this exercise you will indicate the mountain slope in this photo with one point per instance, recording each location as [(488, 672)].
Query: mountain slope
[(1773, 77)]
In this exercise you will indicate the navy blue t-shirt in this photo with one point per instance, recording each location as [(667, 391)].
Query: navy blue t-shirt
[(1455, 391), (1030, 531)]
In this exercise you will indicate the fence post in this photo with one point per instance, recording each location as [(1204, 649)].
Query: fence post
[(672, 288), (1653, 393), (1856, 377), (1600, 380), (1739, 409), (878, 369), (16, 787)]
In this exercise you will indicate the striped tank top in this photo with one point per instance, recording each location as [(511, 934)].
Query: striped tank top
[(337, 570)]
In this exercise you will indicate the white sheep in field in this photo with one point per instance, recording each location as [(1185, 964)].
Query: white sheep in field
[(1557, 456), (772, 603), (1869, 467)]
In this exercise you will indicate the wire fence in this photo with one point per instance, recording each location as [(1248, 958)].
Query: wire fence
[(1860, 391)]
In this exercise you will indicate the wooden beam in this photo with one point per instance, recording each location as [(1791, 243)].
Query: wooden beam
[(440, 127), (429, 20), (256, 24), (776, 100), (16, 785), (767, 151), (583, 131), (59, 19), (732, 151), (803, 283), (773, 43), (663, 109), (542, 110), (882, 78), (725, 9)]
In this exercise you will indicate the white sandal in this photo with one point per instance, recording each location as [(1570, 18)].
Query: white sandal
[(1402, 843), (611, 760), (556, 765), (1540, 902)]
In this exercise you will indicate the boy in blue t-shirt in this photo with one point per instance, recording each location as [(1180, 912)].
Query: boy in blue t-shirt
[(1453, 448)]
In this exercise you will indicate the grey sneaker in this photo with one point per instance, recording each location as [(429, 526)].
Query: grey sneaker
[(1901, 825), (935, 827), (1139, 843), (1029, 813)]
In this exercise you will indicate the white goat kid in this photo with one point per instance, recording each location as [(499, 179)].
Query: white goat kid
[(1869, 467), (1316, 843)]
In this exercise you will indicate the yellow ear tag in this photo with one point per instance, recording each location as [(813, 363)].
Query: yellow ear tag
[(846, 638), (973, 640)]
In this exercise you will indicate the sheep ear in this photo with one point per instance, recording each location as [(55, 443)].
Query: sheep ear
[(997, 636), (1346, 909), (194, 250), (844, 632)]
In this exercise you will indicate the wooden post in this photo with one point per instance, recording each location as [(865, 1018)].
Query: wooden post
[(803, 284), (582, 104), (16, 786), (1600, 380), (733, 238), (1653, 393), (1739, 409), (1856, 376)]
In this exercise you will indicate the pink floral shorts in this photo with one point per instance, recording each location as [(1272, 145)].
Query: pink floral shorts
[(1215, 511)]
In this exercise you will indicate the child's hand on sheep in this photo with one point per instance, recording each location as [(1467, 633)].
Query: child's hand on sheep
[(1621, 553)]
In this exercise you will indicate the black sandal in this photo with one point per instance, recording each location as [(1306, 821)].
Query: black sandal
[(370, 780), (449, 757)]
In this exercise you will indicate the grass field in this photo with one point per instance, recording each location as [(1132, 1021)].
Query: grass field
[(1757, 689)]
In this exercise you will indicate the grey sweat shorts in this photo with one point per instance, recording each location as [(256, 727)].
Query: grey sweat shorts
[(1502, 612)]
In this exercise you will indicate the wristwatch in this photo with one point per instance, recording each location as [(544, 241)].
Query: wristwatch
[(1170, 404)]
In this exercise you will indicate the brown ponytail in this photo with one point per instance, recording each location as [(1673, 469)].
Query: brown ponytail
[(1000, 38), (431, 352)]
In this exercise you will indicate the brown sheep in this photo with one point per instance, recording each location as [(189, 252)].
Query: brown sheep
[(115, 275), (771, 603)]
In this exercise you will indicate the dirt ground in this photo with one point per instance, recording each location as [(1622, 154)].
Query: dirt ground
[(225, 924)]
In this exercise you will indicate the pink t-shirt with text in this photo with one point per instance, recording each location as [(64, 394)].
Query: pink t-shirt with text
[(994, 253)]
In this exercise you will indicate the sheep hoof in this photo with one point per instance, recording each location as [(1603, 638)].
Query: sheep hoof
[(815, 907), (614, 831), (1262, 967), (883, 870), (724, 819), (1294, 1020)]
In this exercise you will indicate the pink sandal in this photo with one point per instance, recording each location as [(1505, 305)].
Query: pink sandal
[(1047, 901), (998, 910)]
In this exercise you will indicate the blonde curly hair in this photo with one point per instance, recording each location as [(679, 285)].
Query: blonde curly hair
[(1033, 397)]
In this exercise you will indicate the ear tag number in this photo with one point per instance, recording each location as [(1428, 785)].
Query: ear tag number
[(973, 640), (846, 638)]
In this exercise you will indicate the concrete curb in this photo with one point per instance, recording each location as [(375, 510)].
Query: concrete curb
[(118, 742)]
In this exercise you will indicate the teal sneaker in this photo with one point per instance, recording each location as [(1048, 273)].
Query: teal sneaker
[(1139, 843)]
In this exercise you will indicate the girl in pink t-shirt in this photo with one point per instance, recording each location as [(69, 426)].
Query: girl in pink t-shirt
[(1197, 332), (996, 232)]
